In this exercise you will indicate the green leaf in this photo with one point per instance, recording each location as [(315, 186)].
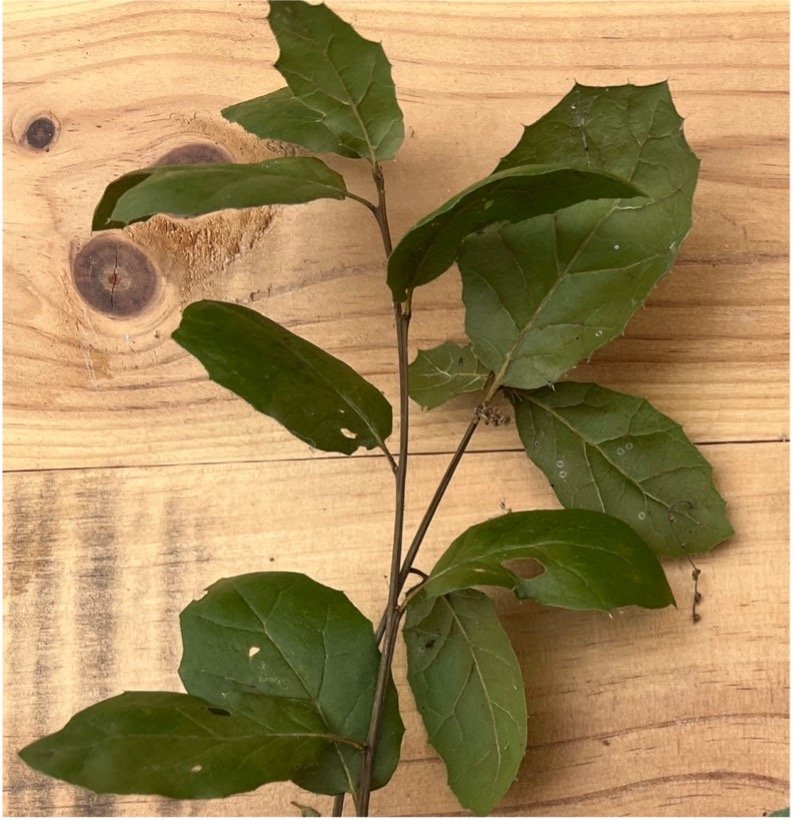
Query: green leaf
[(317, 397), (284, 635), (591, 561), (467, 685), (784, 813), (191, 190), (607, 451), (514, 194), (438, 374), (280, 115), (335, 72), (544, 294), (179, 746)]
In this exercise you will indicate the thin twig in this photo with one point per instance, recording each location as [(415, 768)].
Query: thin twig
[(402, 321), (696, 595), (410, 556), (389, 458), (381, 214), (339, 805), (371, 205)]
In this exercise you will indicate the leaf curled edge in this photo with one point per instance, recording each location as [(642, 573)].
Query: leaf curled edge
[(511, 195), (317, 397), (193, 190)]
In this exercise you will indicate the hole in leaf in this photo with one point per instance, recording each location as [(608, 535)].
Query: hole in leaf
[(252, 651), (196, 769), (219, 711), (348, 434)]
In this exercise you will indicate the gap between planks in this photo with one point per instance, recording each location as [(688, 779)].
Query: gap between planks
[(780, 440)]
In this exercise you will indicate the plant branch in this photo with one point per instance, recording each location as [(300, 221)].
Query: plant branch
[(380, 211), (339, 805), (389, 457), (402, 321), (416, 543), (363, 200)]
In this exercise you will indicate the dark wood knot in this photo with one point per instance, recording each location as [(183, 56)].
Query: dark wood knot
[(40, 133), (114, 276), (197, 153)]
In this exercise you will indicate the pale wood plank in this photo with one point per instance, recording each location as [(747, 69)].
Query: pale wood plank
[(129, 81), (98, 564)]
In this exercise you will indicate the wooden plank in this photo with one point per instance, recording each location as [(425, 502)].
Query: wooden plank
[(127, 82), (642, 714)]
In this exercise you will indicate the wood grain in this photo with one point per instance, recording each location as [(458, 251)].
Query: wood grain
[(132, 482), (84, 390), (642, 714)]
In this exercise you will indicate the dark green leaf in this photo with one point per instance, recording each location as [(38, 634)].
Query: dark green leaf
[(284, 635), (180, 746), (468, 688), (438, 374), (607, 451), (591, 561), (784, 813), (514, 194), (544, 294), (191, 190), (335, 72), (282, 116), (315, 396)]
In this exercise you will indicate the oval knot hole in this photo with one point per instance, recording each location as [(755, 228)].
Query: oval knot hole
[(114, 276), (40, 133)]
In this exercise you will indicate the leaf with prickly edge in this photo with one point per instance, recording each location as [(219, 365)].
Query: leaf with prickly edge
[(346, 79), (512, 195), (280, 115), (467, 685), (181, 746), (192, 190), (286, 636), (591, 561), (317, 397), (440, 373), (604, 450), (544, 294)]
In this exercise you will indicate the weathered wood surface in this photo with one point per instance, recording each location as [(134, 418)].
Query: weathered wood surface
[(132, 483)]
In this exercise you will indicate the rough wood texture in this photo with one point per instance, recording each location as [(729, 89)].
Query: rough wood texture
[(132, 482)]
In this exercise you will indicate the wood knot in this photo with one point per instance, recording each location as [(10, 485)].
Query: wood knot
[(114, 276), (196, 153), (40, 133)]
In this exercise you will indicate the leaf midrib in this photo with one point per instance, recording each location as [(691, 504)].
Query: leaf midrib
[(476, 665), (596, 446), (351, 103), (335, 388), (315, 702), (529, 326)]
